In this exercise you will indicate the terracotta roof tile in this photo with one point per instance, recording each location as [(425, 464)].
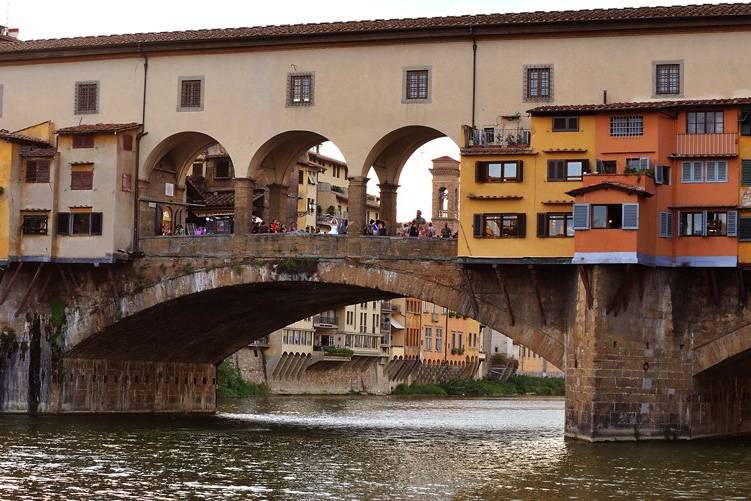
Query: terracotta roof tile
[(611, 185), (638, 106), (98, 128), (15, 137), (220, 199), (705, 13), (38, 152)]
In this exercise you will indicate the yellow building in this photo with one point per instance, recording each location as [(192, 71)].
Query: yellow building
[(514, 183), (744, 198)]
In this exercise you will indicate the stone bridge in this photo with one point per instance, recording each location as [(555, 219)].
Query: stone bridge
[(145, 336)]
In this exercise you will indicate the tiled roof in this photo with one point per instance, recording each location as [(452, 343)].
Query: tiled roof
[(518, 22), (474, 196), (638, 106), (611, 185), (98, 128), (220, 199), (445, 158), (15, 137), (38, 152)]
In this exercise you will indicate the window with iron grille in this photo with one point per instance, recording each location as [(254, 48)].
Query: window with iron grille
[(82, 178), (190, 94), (538, 83), (37, 171), (417, 84), (34, 225), (626, 125), (87, 98), (705, 122), (300, 89), (83, 141), (668, 79)]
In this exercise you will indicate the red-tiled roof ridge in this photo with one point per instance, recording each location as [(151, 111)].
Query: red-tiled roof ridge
[(608, 185), (639, 105), (22, 138), (697, 11), (327, 158), (100, 127), (444, 158)]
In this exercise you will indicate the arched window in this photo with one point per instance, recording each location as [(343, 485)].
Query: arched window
[(443, 202), (166, 221)]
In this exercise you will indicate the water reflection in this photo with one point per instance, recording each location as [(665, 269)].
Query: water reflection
[(355, 448)]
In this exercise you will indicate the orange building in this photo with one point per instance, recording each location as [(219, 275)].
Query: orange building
[(664, 190)]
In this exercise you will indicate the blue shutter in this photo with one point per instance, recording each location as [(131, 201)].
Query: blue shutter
[(746, 173), (666, 225), (732, 223), (630, 217), (581, 216), (659, 175), (670, 224)]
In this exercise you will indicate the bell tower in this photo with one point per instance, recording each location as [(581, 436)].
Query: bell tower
[(445, 196)]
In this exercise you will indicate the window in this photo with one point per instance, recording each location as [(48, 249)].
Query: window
[(637, 164), (500, 225), (127, 142), (191, 94), (710, 171), (565, 124), (744, 229), (606, 167), (83, 141), (555, 225), (37, 171), (169, 189), (499, 172), (87, 98), (744, 119), (717, 224), (667, 79), (692, 224), (745, 172), (438, 339), (538, 83), (363, 323), (221, 169), (300, 177), (417, 84), (607, 216), (567, 170), (428, 338), (81, 177), (198, 169), (489, 134), (1, 100), (79, 223), (626, 125), (705, 122), (662, 174), (300, 89), (127, 183), (34, 225)]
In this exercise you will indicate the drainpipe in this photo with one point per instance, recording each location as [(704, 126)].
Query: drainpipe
[(139, 136), (474, 73)]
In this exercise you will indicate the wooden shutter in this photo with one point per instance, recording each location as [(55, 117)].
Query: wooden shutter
[(746, 173), (63, 223), (704, 223), (581, 216), (521, 225), (127, 142), (630, 215), (670, 225), (31, 171), (481, 173), (43, 171), (732, 223), (585, 166), (542, 226), (666, 225), (520, 171), (96, 223), (82, 180), (659, 174), (478, 226), (83, 141), (744, 229)]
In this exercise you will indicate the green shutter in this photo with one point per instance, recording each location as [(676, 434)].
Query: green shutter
[(746, 173), (477, 226)]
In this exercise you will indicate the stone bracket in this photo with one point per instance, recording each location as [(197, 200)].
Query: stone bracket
[(504, 290), (538, 298), (471, 289)]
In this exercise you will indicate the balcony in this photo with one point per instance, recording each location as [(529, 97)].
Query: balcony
[(706, 145), (325, 321), (260, 342), (496, 138)]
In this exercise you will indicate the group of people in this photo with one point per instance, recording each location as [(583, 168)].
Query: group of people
[(419, 228), (275, 227)]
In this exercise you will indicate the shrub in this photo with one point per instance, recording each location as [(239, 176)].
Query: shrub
[(230, 383), (419, 389), (294, 266), (338, 352)]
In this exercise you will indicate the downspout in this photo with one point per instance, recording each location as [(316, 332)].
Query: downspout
[(474, 73), (139, 136)]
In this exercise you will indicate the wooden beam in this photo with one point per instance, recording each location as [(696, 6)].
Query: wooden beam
[(9, 287), (26, 295), (540, 310), (584, 275), (471, 289), (502, 285)]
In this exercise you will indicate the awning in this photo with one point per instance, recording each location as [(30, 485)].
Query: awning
[(395, 324)]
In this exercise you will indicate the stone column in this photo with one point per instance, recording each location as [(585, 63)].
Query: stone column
[(243, 205), (356, 205), (279, 203), (388, 206)]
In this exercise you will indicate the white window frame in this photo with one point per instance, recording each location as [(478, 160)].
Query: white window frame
[(692, 179), (716, 163), (169, 189)]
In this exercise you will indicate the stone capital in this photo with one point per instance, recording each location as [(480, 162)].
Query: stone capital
[(358, 180), (388, 187)]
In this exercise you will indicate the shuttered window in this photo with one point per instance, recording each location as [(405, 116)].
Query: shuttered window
[(499, 172), (567, 170), (744, 229), (692, 172), (716, 171), (732, 223), (83, 141), (127, 142), (581, 216), (500, 225), (746, 173), (630, 217), (81, 178), (666, 225), (37, 171), (555, 224)]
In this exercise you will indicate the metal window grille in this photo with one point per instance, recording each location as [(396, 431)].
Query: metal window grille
[(668, 79), (538, 82), (417, 84), (34, 225), (301, 89), (626, 125), (87, 97), (190, 94)]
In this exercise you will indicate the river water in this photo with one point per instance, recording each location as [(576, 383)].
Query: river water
[(355, 448)]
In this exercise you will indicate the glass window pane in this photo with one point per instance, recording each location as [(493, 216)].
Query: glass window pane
[(81, 224), (574, 169), (509, 170), (494, 171), (599, 216)]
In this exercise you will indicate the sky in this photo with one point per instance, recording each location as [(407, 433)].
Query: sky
[(56, 18)]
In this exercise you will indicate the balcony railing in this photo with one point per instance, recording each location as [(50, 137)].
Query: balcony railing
[(261, 342), (690, 145), (497, 137), (324, 321)]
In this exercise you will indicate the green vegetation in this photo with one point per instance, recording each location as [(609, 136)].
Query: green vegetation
[(517, 385), (338, 352), (293, 266), (230, 383)]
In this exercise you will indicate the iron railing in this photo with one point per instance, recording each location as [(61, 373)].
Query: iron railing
[(497, 136)]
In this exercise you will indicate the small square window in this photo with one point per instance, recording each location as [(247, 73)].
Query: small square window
[(83, 141), (37, 171), (667, 79), (82, 178), (538, 83), (87, 98), (191, 92), (34, 225), (565, 124), (221, 169), (417, 84), (300, 89)]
